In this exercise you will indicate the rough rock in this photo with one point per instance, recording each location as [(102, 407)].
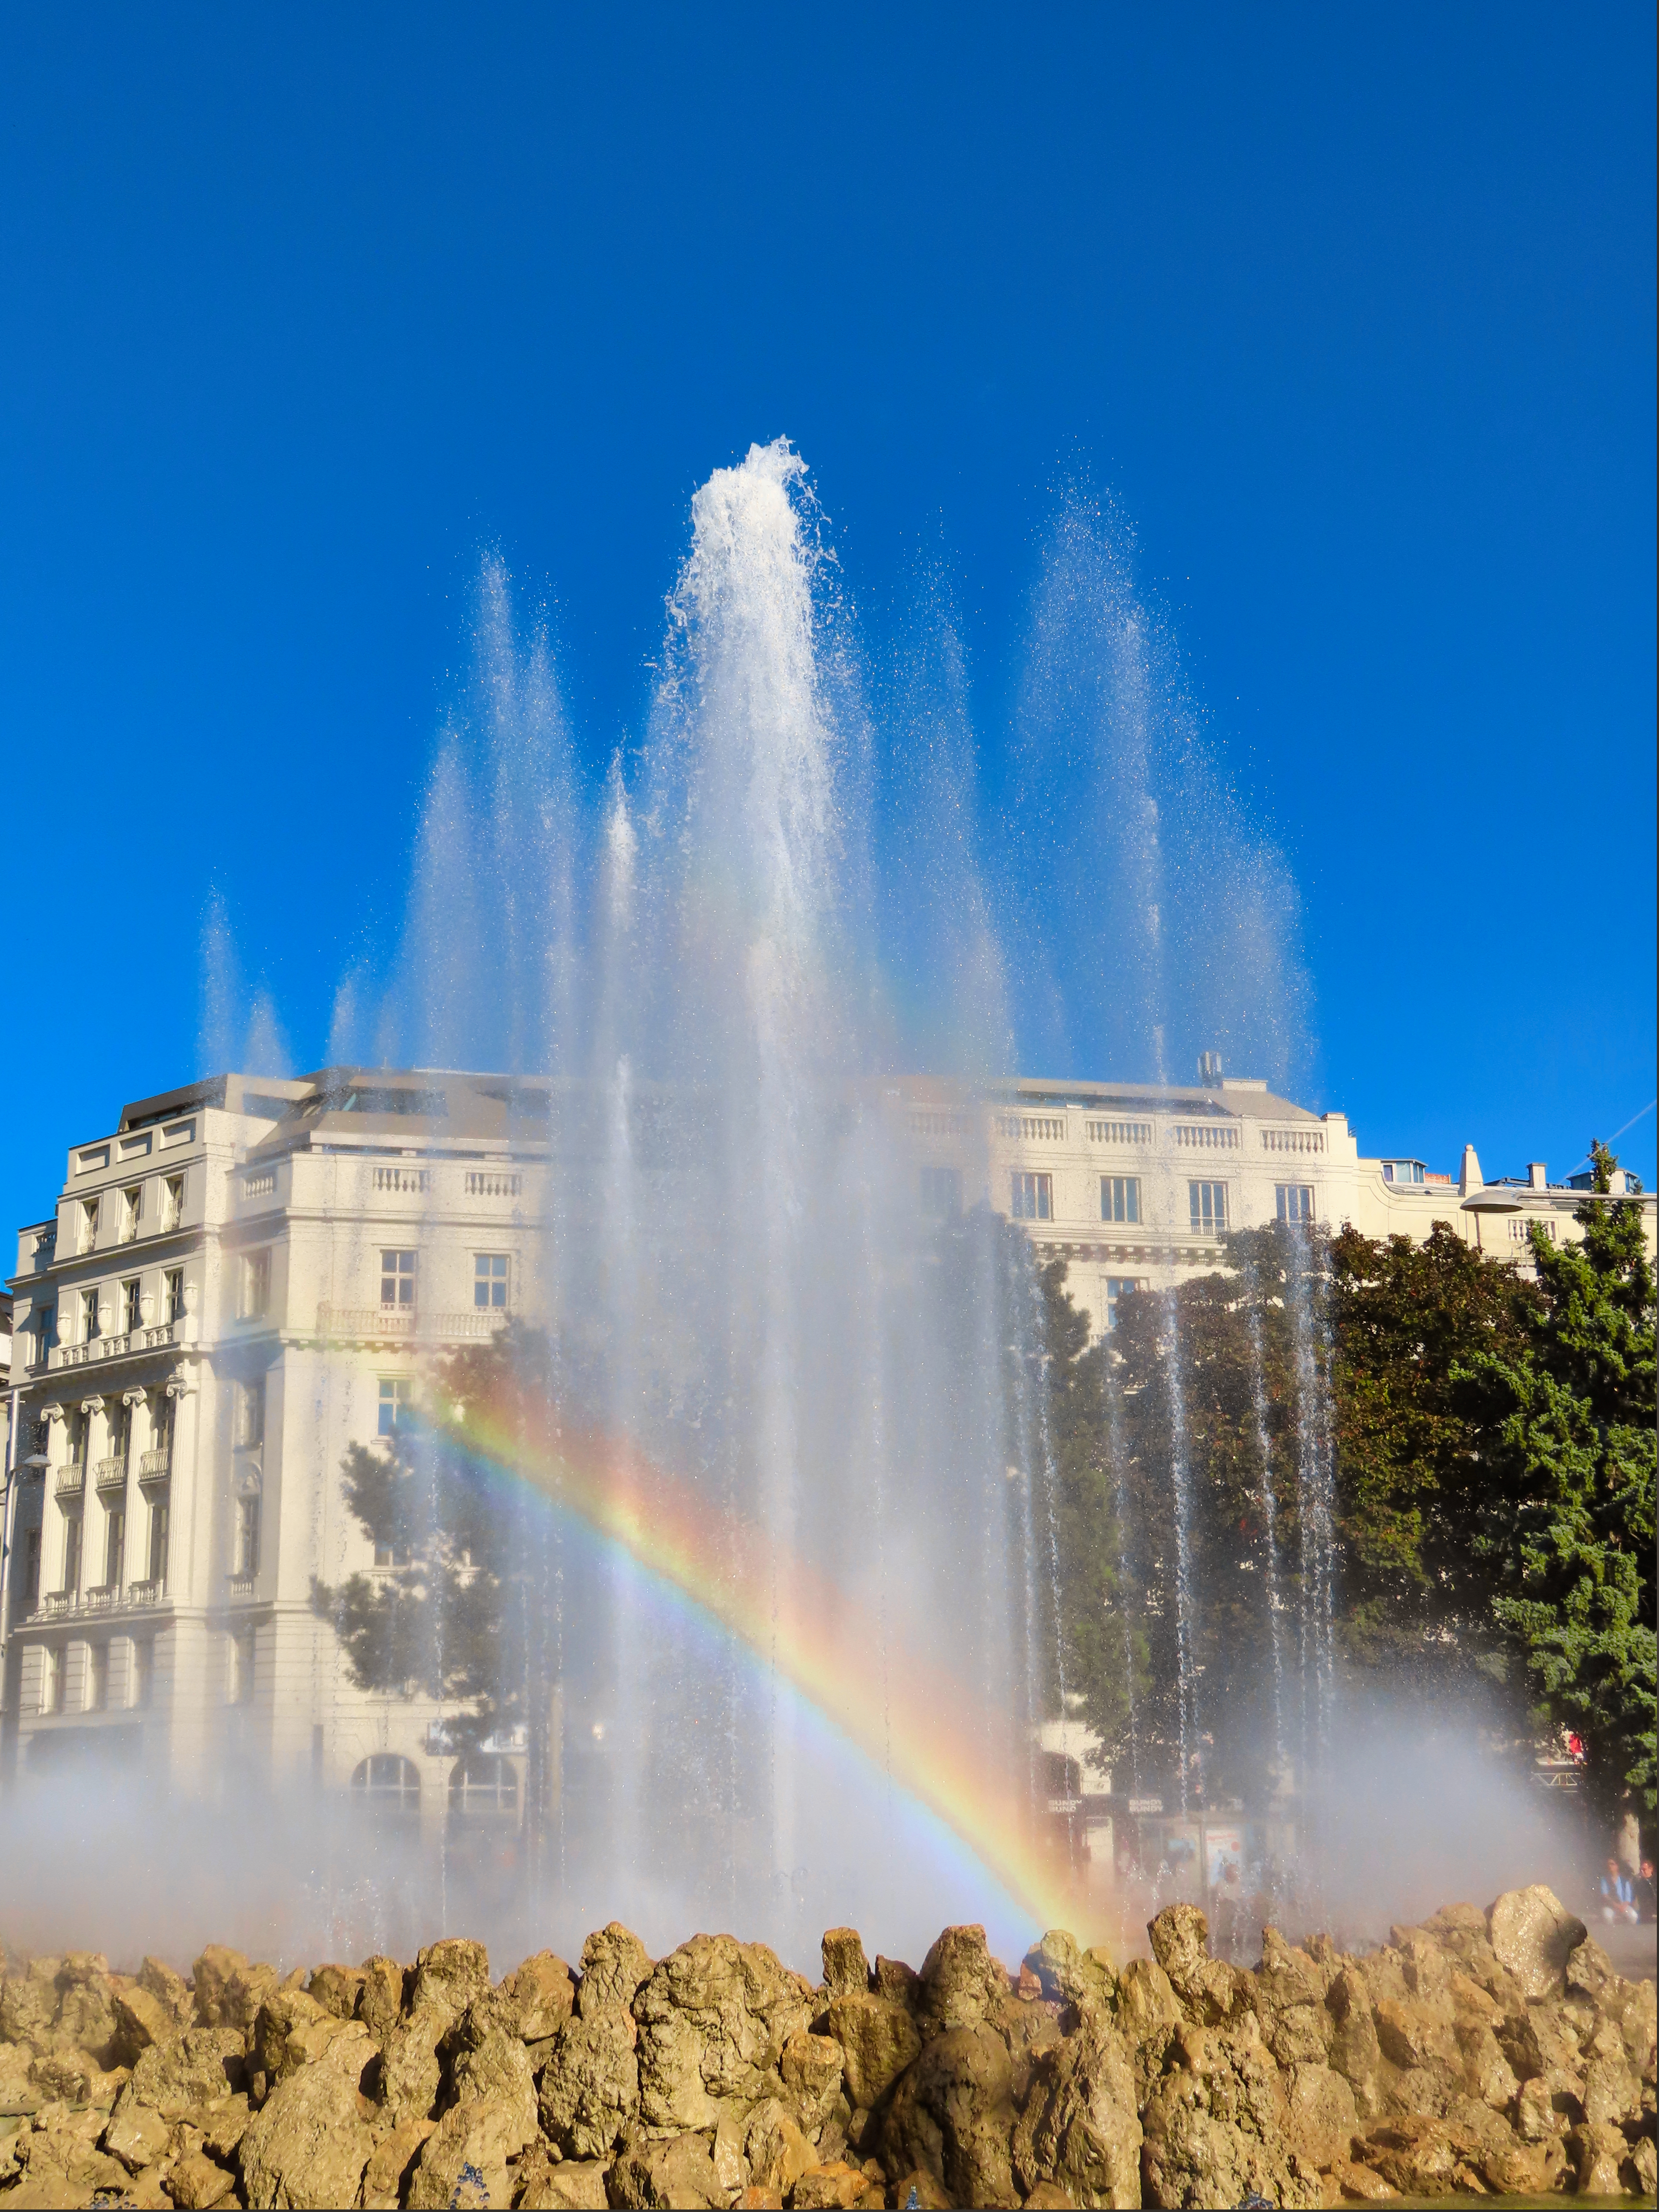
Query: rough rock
[(1290, 2001), (540, 1994), (835, 2184), (1320, 2114), (775, 2148), (380, 2000), (137, 2134), (679, 2173), (811, 2066), (923, 2187), (1208, 1989), (1353, 2048), (308, 2144), (337, 1990), (282, 2011), (1148, 2015), (497, 2069), (481, 2136), (845, 1969), (1534, 1935), (27, 2008), (714, 2019), (961, 1983), (447, 1977), (196, 2182), (953, 2113), (1079, 2127), (877, 2039), (574, 2185), (614, 1965), (195, 2068), (1214, 2124), (390, 2163), (1068, 1974), (141, 2020), (590, 2085)]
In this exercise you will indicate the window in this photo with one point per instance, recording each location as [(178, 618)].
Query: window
[(387, 1787), (1119, 1198), (241, 1668), (133, 1212), (490, 1280), (247, 1538), (31, 1570), (172, 1294), (397, 1396), (72, 1553), (482, 1787), (143, 1672), (80, 1438), (1208, 1204), (397, 1278), (1119, 1288), (97, 1678), (158, 1541), (46, 1332), (173, 1201), (941, 1193), (115, 1546), (1034, 1197), (51, 1679), (250, 1413), (88, 1225), (1294, 1201), (89, 1315), (256, 1284), (133, 1305)]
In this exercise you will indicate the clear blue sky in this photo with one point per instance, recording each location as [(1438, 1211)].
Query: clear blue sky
[(1352, 309)]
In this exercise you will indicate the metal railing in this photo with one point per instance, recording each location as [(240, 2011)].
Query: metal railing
[(152, 1464), (112, 1474)]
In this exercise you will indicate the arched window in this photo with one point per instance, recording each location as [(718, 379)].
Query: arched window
[(387, 1786), (483, 1787)]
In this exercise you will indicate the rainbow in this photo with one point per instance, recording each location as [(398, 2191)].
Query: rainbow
[(891, 1705)]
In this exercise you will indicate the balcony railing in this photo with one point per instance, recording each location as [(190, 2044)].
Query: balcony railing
[(153, 1338), (1292, 1140), (105, 1597), (71, 1478), (1206, 1136), (407, 1324), (112, 1474), (240, 1587), (56, 1604), (101, 1597), (153, 1465), (483, 1183), (144, 1593)]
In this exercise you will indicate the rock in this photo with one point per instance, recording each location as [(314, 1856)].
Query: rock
[(410, 2074), (337, 1990), (344, 2044), (1353, 2048), (541, 1994), (1534, 1935), (1029, 2026), (1486, 2069), (615, 1965), (576, 2185), (1524, 2169), (465, 2158), (245, 1991), (1353, 2183), (380, 2000), (86, 2009), (1289, 1992), (961, 1983), (224, 2125), (878, 2040), (65, 2074), (141, 2020), (1067, 1974), (308, 2145), (845, 1969), (835, 2184), (679, 2173), (1079, 2127), (952, 2112), (1319, 2116), (923, 2187), (811, 2068), (390, 2163), (1598, 2153), (590, 2086), (497, 2069), (775, 2148), (26, 2009), (1181, 1944), (448, 1976), (157, 1979), (1213, 2124), (196, 2182), (1641, 2174), (714, 2018), (1148, 2015), (63, 2167), (195, 2068), (137, 2134), (282, 2011), (893, 1980)]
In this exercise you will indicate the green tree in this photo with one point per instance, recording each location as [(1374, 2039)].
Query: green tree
[(1567, 1525)]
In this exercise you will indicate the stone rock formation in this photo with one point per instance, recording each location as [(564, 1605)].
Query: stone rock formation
[(1474, 2053)]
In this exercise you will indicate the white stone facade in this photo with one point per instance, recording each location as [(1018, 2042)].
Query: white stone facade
[(244, 1277)]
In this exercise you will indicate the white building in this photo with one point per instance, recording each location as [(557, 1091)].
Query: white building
[(242, 1279)]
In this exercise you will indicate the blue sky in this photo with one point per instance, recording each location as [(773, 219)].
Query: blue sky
[(1353, 310)]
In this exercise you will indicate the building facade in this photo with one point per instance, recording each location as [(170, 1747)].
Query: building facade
[(244, 1277)]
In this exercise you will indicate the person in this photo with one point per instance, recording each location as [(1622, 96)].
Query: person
[(1618, 1895), (1647, 1898)]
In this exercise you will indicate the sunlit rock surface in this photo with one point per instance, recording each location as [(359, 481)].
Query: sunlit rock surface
[(1476, 2053)]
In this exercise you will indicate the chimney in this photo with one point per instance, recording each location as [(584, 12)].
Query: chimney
[(1470, 1178), (1536, 1178)]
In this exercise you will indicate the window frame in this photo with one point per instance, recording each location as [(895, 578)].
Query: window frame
[(500, 1277), (1117, 1288), (256, 1282), (1215, 1204), (1300, 1215), (1036, 1203), (1126, 1188), (249, 1413), (399, 1277)]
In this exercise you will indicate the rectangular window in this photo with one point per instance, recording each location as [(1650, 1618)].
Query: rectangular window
[(250, 1413), (88, 1225), (51, 1679), (247, 1536), (1034, 1197), (1208, 1205), (46, 1332), (256, 1285), (489, 1280), (1119, 1198), (133, 1212), (132, 1306), (80, 1438), (397, 1278), (143, 1672), (397, 1396), (158, 1541), (1294, 1201), (1119, 1288), (115, 1546), (97, 1677), (89, 1315), (172, 1294), (173, 1201), (31, 1570), (72, 1553), (941, 1193)]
